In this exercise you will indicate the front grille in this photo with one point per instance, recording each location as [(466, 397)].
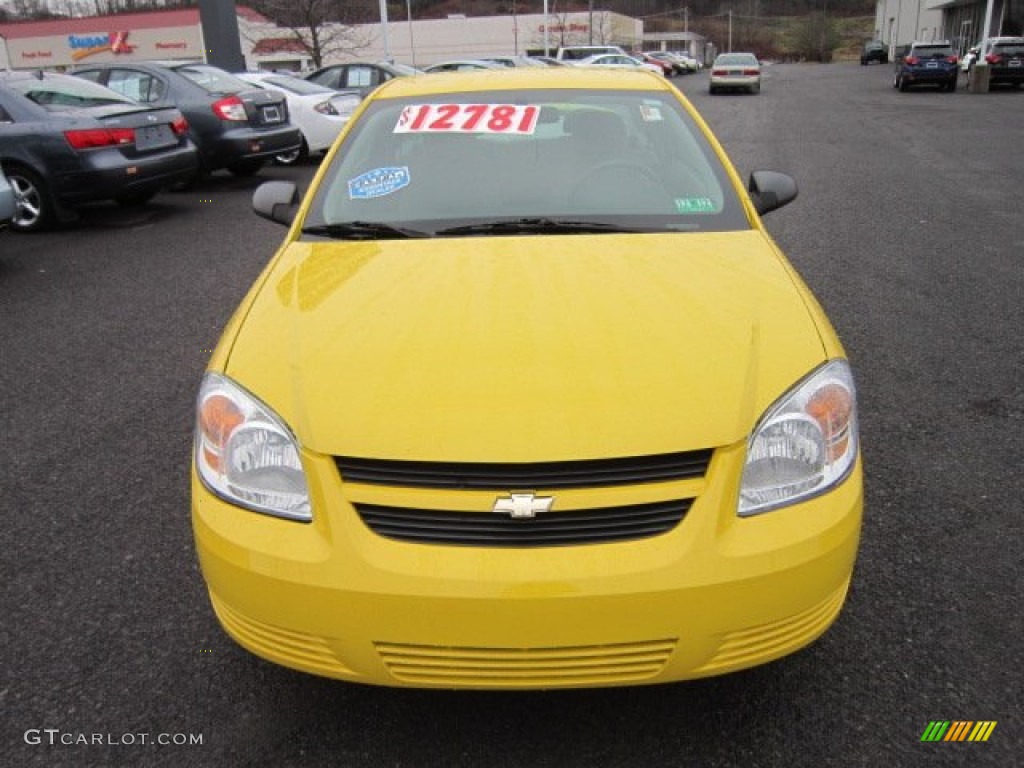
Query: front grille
[(546, 475), (526, 667), (549, 529)]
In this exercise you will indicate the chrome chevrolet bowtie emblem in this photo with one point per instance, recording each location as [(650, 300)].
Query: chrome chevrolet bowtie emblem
[(523, 505)]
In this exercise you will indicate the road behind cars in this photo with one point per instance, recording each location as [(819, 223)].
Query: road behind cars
[(906, 238)]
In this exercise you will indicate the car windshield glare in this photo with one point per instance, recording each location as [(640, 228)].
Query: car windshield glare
[(736, 59), (933, 52), (212, 79), (550, 159), (57, 93), (294, 85)]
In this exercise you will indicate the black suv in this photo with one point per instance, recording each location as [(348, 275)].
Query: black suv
[(874, 50), (1005, 59), (927, 64), (234, 125)]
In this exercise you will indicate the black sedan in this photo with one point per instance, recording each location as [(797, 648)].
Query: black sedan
[(65, 141), (234, 124)]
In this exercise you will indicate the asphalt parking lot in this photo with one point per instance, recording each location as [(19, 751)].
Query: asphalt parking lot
[(909, 230)]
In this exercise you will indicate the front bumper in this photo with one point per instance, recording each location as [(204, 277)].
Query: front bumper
[(717, 593)]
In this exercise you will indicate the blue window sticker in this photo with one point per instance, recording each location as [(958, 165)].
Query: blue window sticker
[(378, 183), (695, 205)]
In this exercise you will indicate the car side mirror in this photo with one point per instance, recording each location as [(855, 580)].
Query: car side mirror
[(770, 190), (277, 201)]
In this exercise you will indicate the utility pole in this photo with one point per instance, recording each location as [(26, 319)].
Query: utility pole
[(384, 29), (219, 22), (730, 30)]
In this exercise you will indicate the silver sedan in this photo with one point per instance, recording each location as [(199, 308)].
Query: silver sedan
[(740, 71)]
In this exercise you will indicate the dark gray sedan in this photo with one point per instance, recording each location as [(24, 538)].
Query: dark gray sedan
[(234, 124), (65, 141)]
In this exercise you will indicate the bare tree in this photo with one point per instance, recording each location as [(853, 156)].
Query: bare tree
[(327, 29)]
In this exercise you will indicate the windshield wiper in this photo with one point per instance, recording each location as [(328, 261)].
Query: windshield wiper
[(364, 230), (541, 225)]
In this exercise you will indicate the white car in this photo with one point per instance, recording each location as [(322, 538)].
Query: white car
[(735, 71), (619, 61), (317, 111), (463, 65)]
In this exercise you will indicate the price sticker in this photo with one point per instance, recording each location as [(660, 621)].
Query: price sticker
[(468, 118)]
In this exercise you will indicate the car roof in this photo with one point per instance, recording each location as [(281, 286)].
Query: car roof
[(510, 78)]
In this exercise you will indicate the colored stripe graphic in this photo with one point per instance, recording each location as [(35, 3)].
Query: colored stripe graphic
[(935, 731), (982, 730), (958, 730)]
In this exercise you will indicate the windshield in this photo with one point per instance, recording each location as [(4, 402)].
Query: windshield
[(1008, 49), (736, 60), (57, 93), (932, 51), (599, 158)]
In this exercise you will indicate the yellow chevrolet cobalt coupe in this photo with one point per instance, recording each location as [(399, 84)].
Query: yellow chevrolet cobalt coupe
[(527, 398)]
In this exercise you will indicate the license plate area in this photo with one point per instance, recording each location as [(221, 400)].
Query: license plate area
[(154, 137), (272, 114)]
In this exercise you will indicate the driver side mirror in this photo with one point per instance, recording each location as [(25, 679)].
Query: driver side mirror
[(277, 201), (770, 190)]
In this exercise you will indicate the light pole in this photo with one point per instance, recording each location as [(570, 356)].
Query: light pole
[(547, 47), (384, 28), (412, 42)]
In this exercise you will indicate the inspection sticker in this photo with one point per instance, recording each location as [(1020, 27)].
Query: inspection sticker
[(695, 205), (468, 118), (650, 114), (378, 183)]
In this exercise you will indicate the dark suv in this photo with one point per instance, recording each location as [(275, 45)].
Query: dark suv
[(927, 64), (874, 50), (234, 125), (1005, 59)]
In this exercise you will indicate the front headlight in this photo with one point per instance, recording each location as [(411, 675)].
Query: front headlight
[(805, 444), (245, 454)]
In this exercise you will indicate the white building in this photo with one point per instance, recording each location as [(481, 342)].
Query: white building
[(177, 34), (901, 22)]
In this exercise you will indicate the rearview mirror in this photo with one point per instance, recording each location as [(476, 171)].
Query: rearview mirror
[(770, 190), (277, 201)]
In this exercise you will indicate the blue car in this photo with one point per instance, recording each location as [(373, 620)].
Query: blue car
[(927, 64)]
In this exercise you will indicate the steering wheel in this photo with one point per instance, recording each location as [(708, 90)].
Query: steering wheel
[(619, 186)]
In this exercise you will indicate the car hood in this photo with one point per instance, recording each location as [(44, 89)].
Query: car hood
[(525, 348)]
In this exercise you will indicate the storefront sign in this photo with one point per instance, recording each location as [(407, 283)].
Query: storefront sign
[(83, 46)]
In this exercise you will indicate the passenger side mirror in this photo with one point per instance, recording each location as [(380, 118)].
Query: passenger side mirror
[(277, 201), (770, 190)]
